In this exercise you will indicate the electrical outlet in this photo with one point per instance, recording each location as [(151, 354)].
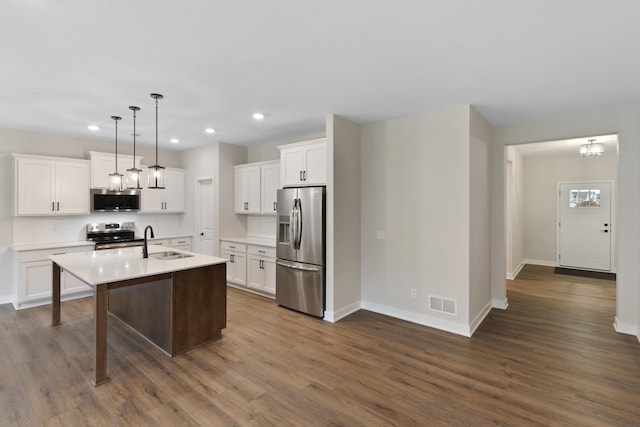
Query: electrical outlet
[(414, 292), (380, 235)]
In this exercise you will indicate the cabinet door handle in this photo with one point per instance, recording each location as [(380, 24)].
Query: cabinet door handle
[(300, 175), (58, 205), (304, 174), (274, 206), (261, 264), (53, 206), (231, 257), (261, 252), (232, 247)]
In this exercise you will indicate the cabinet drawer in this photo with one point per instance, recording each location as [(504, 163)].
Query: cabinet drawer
[(182, 241), (233, 246), (262, 251)]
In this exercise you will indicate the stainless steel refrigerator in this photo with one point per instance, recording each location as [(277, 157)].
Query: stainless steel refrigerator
[(300, 268)]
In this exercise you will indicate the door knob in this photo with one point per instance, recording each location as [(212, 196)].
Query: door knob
[(606, 231), (202, 234)]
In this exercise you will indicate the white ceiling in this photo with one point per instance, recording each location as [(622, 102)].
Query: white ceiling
[(566, 146), (66, 64)]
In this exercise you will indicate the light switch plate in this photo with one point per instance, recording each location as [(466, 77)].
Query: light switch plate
[(380, 235)]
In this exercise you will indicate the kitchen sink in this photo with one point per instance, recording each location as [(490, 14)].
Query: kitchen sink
[(169, 255)]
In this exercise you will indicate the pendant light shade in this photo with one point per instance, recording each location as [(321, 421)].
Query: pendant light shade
[(115, 179), (156, 172), (591, 149), (133, 174)]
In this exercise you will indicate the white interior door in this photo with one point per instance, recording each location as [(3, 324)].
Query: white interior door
[(585, 225), (206, 214)]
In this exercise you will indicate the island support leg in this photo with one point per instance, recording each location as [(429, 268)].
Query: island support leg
[(55, 295), (100, 334)]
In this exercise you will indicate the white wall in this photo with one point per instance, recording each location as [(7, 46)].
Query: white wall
[(541, 178), (415, 188), (215, 161), (66, 228), (515, 213), (479, 221), (626, 123), (343, 218), (269, 150)]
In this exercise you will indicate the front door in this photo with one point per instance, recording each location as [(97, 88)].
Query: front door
[(585, 225)]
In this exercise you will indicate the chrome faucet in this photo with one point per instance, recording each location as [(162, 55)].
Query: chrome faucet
[(145, 251)]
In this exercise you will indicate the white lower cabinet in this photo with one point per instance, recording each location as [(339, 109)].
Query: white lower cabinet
[(261, 269), (183, 243), (35, 277), (237, 265), (252, 267)]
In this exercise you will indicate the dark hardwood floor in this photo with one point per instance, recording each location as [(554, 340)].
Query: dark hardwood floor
[(552, 358)]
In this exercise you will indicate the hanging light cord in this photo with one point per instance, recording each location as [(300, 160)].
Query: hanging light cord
[(134, 138), (156, 130)]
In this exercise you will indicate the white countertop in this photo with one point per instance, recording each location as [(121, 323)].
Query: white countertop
[(58, 245), (261, 241), (51, 245), (114, 265)]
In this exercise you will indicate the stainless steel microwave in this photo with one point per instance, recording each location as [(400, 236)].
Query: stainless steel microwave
[(103, 200)]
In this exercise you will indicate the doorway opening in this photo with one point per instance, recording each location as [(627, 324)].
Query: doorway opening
[(534, 173)]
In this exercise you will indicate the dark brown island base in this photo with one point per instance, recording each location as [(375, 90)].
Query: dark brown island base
[(176, 304)]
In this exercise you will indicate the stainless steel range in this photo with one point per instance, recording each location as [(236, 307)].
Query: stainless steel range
[(112, 235)]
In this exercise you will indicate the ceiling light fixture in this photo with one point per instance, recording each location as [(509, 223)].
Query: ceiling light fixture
[(174, 140), (591, 149), (258, 116), (156, 172), (210, 130), (115, 179), (93, 128), (133, 174)]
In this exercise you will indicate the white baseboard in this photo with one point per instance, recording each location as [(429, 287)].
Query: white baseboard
[(421, 319), (45, 301), (477, 321), (541, 262), (501, 304), (625, 328), (334, 316), (511, 276), (5, 299)]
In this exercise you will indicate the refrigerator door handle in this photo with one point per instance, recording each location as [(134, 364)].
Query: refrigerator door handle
[(295, 267), (293, 223), (299, 224)]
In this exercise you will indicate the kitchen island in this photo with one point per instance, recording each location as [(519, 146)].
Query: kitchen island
[(175, 299)]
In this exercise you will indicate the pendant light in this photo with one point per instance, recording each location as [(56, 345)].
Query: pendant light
[(156, 172), (591, 149), (115, 179), (133, 174)]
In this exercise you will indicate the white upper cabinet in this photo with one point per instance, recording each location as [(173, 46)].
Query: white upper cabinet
[(270, 182), (256, 187), (103, 164), (167, 200), (51, 186), (303, 163), (246, 189)]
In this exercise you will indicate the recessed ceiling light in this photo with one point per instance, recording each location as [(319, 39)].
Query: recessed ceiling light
[(209, 130), (93, 128), (258, 116), (174, 140)]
